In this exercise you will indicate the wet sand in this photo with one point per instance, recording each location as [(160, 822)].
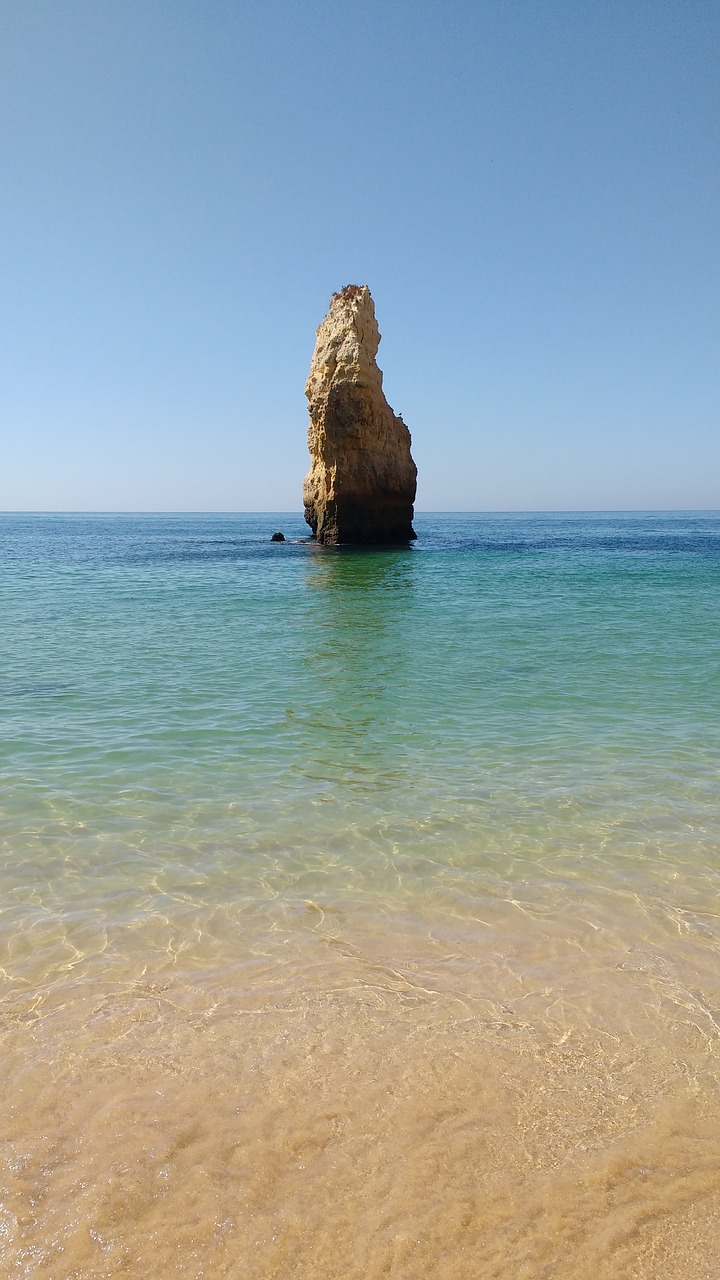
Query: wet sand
[(350, 1096)]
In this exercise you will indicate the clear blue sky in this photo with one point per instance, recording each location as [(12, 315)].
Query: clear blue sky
[(530, 189)]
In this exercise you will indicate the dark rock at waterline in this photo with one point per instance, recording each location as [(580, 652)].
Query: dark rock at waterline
[(278, 537)]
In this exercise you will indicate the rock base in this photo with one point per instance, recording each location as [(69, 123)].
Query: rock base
[(334, 522)]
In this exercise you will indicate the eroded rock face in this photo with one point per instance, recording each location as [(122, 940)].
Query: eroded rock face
[(362, 480)]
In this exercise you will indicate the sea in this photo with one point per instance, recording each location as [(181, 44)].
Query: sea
[(360, 909)]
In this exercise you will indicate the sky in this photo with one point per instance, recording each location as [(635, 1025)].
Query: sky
[(530, 188)]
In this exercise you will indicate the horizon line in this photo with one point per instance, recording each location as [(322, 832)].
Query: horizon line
[(425, 511)]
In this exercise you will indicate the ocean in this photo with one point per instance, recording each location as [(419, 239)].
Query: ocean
[(360, 909)]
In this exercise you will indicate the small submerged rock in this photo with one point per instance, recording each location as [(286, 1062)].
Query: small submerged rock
[(278, 537)]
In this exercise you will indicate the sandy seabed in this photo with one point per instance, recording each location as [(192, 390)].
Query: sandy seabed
[(355, 1097)]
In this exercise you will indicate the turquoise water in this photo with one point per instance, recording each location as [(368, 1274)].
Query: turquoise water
[(465, 761), (193, 713)]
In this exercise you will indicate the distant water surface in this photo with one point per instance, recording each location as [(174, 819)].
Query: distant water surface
[(359, 910)]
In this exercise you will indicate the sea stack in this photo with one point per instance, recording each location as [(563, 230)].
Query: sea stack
[(361, 484)]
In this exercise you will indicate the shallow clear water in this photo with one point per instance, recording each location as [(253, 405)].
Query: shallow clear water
[(359, 909)]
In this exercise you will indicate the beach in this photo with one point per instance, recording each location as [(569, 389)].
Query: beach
[(360, 908)]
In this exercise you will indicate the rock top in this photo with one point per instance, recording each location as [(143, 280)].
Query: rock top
[(362, 480)]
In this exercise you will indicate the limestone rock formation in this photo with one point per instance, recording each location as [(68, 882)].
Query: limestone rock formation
[(361, 483)]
